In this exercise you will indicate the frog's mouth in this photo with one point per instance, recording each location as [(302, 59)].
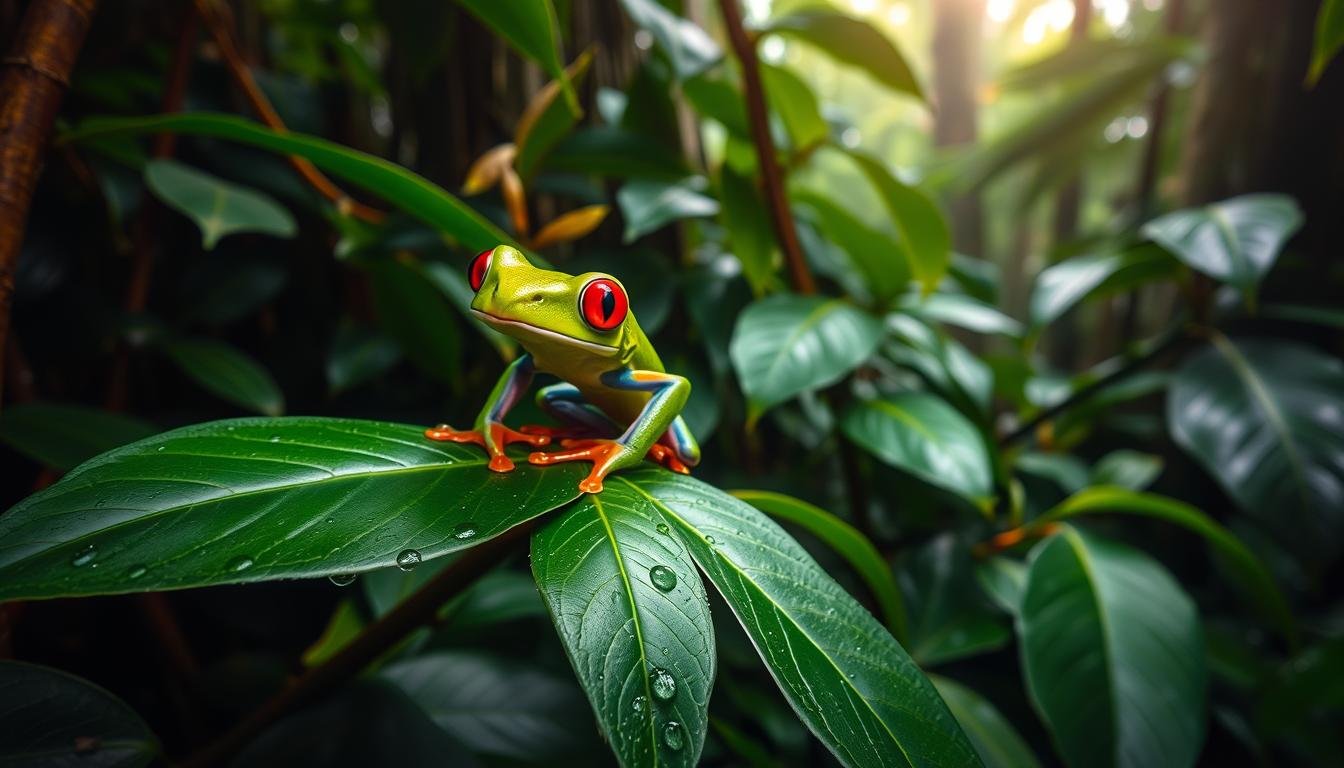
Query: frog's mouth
[(504, 324)]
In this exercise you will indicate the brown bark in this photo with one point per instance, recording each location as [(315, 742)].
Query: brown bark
[(33, 78), (780, 214), (956, 86)]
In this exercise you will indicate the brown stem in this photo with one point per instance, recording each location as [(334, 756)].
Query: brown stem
[(416, 611), (33, 78), (780, 214), (220, 27)]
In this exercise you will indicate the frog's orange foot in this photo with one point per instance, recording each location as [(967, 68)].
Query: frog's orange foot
[(603, 454), (500, 438), (668, 458)]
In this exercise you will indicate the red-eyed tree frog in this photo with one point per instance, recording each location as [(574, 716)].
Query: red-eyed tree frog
[(616, 402)]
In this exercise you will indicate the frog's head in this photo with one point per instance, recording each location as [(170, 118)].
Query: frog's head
[(552, 311)]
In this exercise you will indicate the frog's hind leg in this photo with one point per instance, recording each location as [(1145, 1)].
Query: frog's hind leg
[(565, 403)]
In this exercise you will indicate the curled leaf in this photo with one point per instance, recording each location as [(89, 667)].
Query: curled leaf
[(571, 225), (488, 168)]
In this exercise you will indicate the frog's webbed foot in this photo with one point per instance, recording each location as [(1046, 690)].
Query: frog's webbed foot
[(606, 455), (668, 458), (500, 438)]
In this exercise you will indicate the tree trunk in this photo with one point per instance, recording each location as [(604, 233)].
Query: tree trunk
[(33, 78), (956, 85)]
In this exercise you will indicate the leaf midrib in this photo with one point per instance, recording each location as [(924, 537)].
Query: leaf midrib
[(746, 578), (1080, 551)]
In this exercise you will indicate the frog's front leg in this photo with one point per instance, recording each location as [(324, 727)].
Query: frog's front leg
[(669, 393), (490, 432)]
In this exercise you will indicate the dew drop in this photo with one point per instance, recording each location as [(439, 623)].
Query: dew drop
[(662, 683), (663, 578), (709, 539), (161, 447), (464, 531), (342, 579), (663, 529), (673, 736), (638, 704), (275, 438), (137, 571), (408, 559), (84, 556), (240, 563)]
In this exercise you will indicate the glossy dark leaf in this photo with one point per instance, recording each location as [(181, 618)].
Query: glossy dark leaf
[(50, 718), (414, 312), (1127, 469), (219, 208), (686, 45), (717, 99), (258, 499), (846, 677), (64, 436), (798, 108), (920, 433), (495, 706), (1236, 241), (615, 153), (962, 311), (1266, 419), (1061, 286), (634, 618), (1113, 654), (1003, 580), (1329, 38), (947, 365), (751, 238), (880, 259), (530, 27), (786, 344), (948, 619), (926, 239), (994, 738), (850, 41), (229, 373), (847, 541), (398, 186), (647, 206)]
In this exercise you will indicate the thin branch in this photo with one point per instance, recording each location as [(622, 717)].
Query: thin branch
[(416, 611), (221, 30), (33, 78), (780, 214), (1175, 336)]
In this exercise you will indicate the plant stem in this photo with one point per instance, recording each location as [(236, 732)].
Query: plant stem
[(771, 175), (1173, 337), (33, 77), (416, 611), (217, 22)]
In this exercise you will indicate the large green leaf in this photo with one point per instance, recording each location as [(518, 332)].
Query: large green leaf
[(530, 27), (417, 314), (685, 44), (1329, 38), (880, 259), (786, 344), (923, 435), (948, 618), (494, 706), (634, 618), (962, 311), (1113, 654), (649, 205), (258, 499), (993, 736), (218, 207), (948, 366), (1061, 286), (229, 373), (50, 718), (847, 541), (751, 238), (1235, 241), (718, 99), (63, 436), (926, 239), (850, 41), (1249, 573), (845, 676), (398, 186), (796, 105), (1266, 418)]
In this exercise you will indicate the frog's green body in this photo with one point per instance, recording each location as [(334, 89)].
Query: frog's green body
[(580, 329)]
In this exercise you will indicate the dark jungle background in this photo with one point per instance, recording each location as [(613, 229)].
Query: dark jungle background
[(1053, 258)]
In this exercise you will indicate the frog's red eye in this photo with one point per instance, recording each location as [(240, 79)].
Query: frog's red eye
[(477, 269), (603, 304)]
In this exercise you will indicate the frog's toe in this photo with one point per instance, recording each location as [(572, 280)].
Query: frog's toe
[(668, 458)]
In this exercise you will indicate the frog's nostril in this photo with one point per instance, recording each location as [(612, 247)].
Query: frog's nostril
[(537, 298)]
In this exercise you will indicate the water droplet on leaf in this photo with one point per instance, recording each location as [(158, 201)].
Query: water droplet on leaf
[(137, 571), (464, 531), (240, 563), (342, 579), (673, 736), (408, 559), (709, 539), (84, 556), (663, 578), (663, 529), (639, 703), (663, 685), (275, 438)]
